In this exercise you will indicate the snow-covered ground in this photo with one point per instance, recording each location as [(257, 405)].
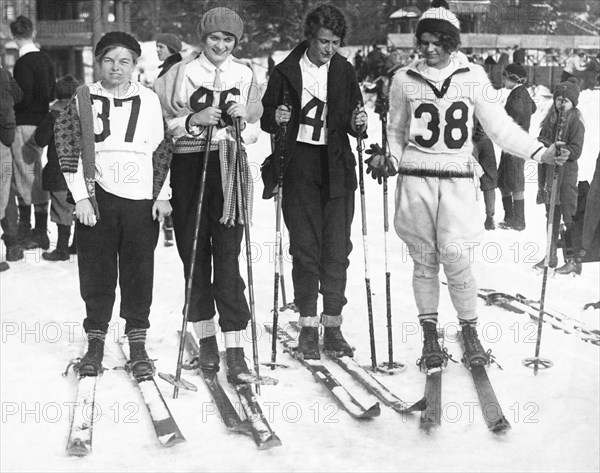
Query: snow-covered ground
[(555, 415)]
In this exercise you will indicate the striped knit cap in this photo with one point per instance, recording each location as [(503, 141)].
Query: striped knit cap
[(439, 19)]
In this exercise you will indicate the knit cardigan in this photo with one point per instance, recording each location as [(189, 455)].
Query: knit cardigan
[(74, 135)]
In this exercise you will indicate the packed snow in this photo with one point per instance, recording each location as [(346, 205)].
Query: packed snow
[(554, 415)]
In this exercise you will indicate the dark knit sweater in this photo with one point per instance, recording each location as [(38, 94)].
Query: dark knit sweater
[(34, 73)]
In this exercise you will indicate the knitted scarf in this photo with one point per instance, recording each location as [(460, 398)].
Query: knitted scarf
[(233, 211)]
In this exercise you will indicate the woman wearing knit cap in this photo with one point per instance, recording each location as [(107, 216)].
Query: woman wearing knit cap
[(206, 91), (573, 135), (168, 48), (319, 171), (117, 177), (511, 172), (431, 109)]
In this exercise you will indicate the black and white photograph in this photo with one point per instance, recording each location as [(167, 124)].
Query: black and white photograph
[(300, 235)]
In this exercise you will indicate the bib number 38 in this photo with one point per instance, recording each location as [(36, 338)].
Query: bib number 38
[(455, 118)]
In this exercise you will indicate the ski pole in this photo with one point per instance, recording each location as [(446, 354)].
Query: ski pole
[(246, 215), (391, 364), (278, 243), (189, 283), (359, 149), (536, 362)]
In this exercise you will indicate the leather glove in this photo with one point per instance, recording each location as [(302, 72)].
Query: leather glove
[(380, 165)]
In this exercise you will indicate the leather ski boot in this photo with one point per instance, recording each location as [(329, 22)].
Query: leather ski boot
[(209, 354), (308, 341), (572, 266), (432, 356), (237, 369), (140, 364), (91, 363), (474, 354)]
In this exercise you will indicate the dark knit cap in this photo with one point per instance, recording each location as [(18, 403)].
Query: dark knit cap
[(516, 73), (117, 38), (66, 86), (570, 88), (221, 19), (171, 41), (439, 19)]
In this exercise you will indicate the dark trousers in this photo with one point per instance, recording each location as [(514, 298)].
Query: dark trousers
[(218, 247), (319, 229), (119, 247)]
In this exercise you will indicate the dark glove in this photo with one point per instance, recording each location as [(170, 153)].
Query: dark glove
[(380, 165)]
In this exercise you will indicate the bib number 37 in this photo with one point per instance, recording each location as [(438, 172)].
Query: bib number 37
[(455, 118)]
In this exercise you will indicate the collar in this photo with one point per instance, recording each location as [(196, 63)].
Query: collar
[(306, 63), (27, 48), (206, 64)]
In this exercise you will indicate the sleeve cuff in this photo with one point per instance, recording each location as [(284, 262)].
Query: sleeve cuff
[(192, 129), (536, 155)]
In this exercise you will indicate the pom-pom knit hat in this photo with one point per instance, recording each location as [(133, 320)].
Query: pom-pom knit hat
[(221, 19), (117, 38), (571, 90), (439, 19)]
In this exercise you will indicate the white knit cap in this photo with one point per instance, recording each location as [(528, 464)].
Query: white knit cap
[(439, 19)]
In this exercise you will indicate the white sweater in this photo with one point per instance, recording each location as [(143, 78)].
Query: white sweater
[(431, 130)]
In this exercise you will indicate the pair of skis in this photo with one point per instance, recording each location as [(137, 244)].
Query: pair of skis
[(79, 442), (521, 305), (431, 417), (253, 423), (339, 392)]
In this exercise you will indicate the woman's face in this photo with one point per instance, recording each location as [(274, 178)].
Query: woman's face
[(162, 51), (116, 67), (219, 45), (323, 46), (431, 48)]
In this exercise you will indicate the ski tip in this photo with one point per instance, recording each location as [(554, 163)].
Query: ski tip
[(271, 442), (78, 449), (172, 439), (501, 426), (373, 411)]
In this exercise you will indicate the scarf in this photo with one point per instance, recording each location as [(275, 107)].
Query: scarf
[(233, 210)]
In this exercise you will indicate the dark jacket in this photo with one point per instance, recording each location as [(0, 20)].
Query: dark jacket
[(169, 63), (10, 93), (34, 73), (343, 94)]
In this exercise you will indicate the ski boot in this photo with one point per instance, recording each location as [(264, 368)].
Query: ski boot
[(474, 354), (209, 354), (308, 341), (4, 266), (572, 266), (14, 248), (237, 369), (56, 255), (489, 223), (140, 364), (540, 264), (334, 342), (91, 363), (432, 356), (38, 238)]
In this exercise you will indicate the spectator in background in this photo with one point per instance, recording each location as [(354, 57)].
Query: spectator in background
[(168, 49), (483, 151), (359, 65), (35, 75), (9, 94), (511, 172), (375, 62), (575, 62), (519, 56), (53, 180)]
